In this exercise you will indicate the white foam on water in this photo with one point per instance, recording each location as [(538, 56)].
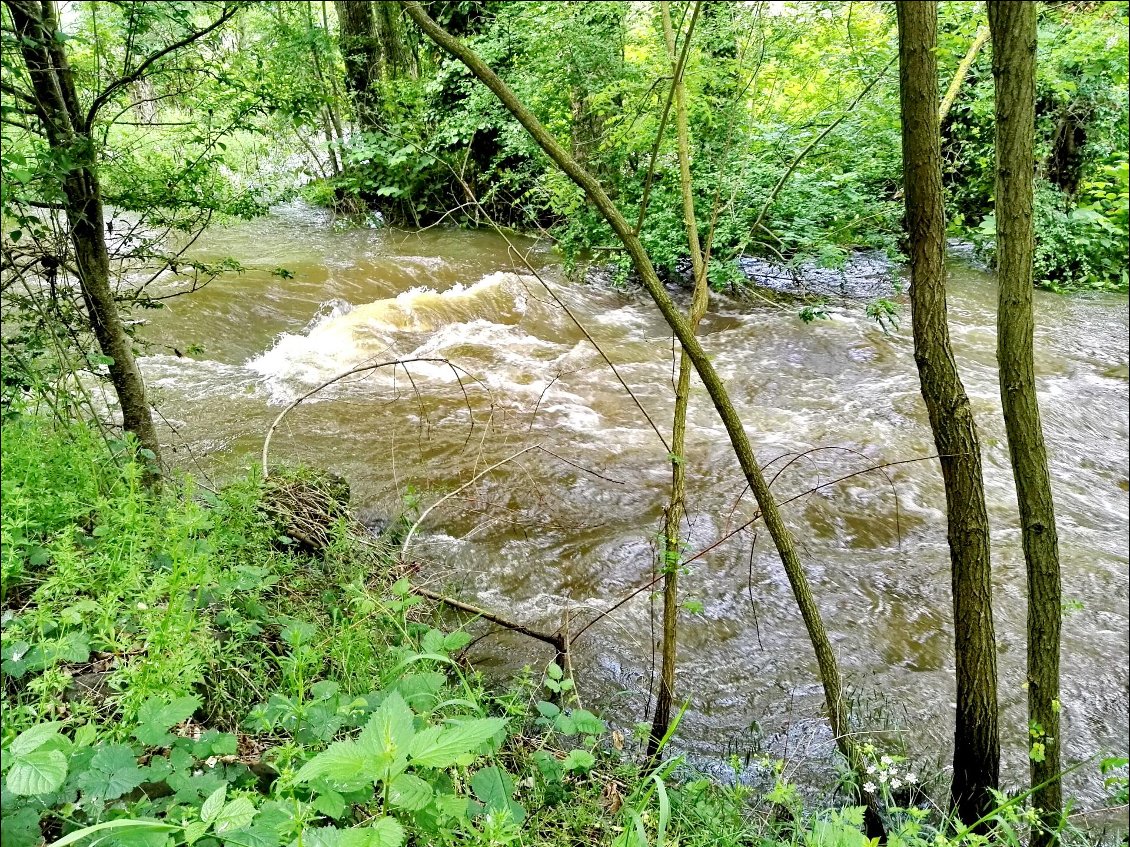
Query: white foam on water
[(477, 326), (197, 379)]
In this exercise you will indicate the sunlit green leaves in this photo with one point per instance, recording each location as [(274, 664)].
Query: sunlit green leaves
[(442, 747), (156, 717), (32, 769)]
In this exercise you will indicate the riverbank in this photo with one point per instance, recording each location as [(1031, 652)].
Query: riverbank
[(190, 664)]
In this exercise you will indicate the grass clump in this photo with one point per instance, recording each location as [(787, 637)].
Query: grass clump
[(189, 669)]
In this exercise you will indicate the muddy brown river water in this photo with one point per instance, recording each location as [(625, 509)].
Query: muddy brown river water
[(547, 536)]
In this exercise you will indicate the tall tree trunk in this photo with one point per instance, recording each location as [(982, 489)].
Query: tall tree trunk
[(671, 559), (396, 59), (70, 140), (976, 755), (715, 387), (359, 50), (1013, 26), (326, 113)]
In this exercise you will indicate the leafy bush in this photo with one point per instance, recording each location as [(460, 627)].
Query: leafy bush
[(1077, 246)]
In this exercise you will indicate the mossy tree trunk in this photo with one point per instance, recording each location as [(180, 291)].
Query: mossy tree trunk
[(976, 755), (68, 130), (397, 60), (1013, 26), (357, 38)]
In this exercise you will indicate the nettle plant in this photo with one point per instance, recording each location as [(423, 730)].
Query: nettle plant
[(569, 722), (407, 769), (195, 791)]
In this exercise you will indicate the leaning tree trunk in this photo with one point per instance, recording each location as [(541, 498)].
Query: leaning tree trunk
[(361, 53), (70, 140), (715, 387), (671, 558), (1013, 26), (976, 755)]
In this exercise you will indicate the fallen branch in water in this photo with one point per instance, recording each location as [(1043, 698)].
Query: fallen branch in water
[(556, 640)]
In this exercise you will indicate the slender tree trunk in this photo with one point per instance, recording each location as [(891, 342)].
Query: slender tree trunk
[(326, 113), (1013, 27), (739, 439), (671, 558), (335, 95), (357, 37), (976, 756), (70, 139)]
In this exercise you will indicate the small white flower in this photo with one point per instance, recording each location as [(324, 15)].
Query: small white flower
[(869, 787), (882, 776), (896, 784), (870, 769), (911, 777), (142, 606), (211, 761), (198, 773), (886, 760)]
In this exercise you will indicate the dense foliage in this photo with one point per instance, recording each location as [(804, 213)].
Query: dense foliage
[(257, 109)]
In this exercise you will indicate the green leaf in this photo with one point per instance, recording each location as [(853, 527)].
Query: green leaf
[(385, 832), (330, 803), (420, 689), (550, 768), (456, 641), (156, 717), (390, 728), (547, 709), (440, 747), (409, 792), (39, 772), (235, 815), (493, 786), (21, 829), (452, 806), (343, 763), (194, 831), (586, 722), (324, 689), (32, 739), (113, 772), (213, 805), (579, 760)]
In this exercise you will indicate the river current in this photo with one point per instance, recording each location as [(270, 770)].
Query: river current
[(560, 533)]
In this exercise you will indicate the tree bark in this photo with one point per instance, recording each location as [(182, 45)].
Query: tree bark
[(69, 137), (396, 59), (358, 41), (976, 756), (782, 537), (1013, 26)]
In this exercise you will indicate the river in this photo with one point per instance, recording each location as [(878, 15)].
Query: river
[(565, 531)]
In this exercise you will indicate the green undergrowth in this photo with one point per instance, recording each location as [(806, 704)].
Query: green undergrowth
[(179, 670)]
